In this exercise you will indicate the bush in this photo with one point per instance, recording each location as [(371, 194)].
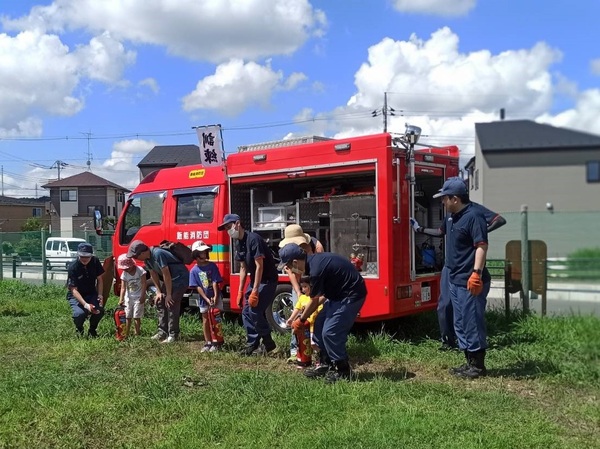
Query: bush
[(7, 248), (30, 244), (584, 259)]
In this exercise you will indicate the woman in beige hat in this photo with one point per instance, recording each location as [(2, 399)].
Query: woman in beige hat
[(295, 234)]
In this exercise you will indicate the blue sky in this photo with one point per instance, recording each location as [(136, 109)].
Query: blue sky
[(119, 77)]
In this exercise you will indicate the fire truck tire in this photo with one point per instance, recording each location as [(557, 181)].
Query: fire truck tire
[(281, 308)]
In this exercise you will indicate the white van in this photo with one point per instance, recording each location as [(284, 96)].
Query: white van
[(61, 251)]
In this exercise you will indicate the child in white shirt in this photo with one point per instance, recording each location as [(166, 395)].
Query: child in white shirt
[(133, 292)]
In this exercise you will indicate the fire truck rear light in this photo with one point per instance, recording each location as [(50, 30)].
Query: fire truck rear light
[(404, 292), (259, 158), (342, 147)]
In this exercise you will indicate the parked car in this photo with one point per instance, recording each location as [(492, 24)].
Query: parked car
[(61, 251)]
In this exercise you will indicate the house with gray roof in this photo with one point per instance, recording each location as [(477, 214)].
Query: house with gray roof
[(523, 162), (554, 171), (167, 156)]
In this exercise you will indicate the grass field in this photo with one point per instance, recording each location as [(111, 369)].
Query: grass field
[(57, 391)]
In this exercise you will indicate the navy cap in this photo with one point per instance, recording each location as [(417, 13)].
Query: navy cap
[(453, 186), (136, 248), (229, 218), (290, 252), (84, 249)]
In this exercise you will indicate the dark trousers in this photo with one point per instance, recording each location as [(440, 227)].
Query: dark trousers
[(80, 314), (333, 324), (168, 316), (254, 318), (445, 311), (469, 317)]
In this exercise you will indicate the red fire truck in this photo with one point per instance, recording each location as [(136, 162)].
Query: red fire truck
[(355, 195)]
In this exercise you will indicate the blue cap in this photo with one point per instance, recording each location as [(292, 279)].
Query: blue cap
[(84, 249), (453, 186), (229, 218), (290, 252)]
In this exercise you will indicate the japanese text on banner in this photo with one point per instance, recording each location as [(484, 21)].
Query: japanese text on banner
[(211, 145)]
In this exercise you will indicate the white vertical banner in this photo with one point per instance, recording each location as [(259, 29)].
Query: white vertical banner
[(211, 145)]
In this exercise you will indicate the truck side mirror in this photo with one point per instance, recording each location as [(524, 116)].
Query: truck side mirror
[(98, 222)]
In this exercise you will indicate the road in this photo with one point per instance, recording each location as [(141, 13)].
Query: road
[(563, 298)]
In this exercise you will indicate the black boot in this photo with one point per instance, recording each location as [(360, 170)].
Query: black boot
[(342, 371), (248, 350), (269, 343), (461, 368), (476, 365), (324, 366)]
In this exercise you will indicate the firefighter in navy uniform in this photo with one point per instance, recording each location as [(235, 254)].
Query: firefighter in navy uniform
[(335, 278), (469, 279), (256, 260), (84, 283), (444, 309)]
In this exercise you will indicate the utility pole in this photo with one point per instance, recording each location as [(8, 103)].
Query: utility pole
[(58, 165), (89, 154), (385, 111), (3, 180)]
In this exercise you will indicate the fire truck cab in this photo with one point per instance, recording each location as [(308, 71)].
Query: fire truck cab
[(356, 195)]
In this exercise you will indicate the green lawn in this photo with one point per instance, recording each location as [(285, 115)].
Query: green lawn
[(57, 391)]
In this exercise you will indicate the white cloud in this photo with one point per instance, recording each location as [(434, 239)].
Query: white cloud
[(595, 66), (104, 59), (431, 84), (237, 85), (123, 154), (209, 30), (30, 85), (445, 8), (583, 116), (293, 80), (40, 76), (151, 84)]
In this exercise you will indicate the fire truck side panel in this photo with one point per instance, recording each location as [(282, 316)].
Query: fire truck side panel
[(345, 193)]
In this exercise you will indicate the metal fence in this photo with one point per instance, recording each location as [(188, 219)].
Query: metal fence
[(29, 246), (563, 232)]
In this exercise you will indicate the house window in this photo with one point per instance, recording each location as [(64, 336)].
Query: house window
[(593, 171), (37, 212), (91, 209), (68, 195), (120, 197), (476, 180)]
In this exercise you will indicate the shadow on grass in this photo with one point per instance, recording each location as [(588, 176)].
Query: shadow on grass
[(527, 369), (422, 328), (393, 375)]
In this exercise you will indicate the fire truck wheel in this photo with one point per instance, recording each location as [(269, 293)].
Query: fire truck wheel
[(281, 308)]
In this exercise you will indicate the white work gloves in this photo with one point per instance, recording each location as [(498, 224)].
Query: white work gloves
[(415, 224)]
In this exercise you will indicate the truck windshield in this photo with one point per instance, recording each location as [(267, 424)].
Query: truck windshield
[(197, 207), (142, 210)]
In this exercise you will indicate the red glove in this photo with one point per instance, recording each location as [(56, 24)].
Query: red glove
[(253, 299), (240, 299), (298, 326), (474, 284)]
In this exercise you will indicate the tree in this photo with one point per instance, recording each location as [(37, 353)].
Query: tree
[(34, 224)]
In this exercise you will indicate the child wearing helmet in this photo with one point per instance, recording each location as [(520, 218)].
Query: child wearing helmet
[(133, 292)]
